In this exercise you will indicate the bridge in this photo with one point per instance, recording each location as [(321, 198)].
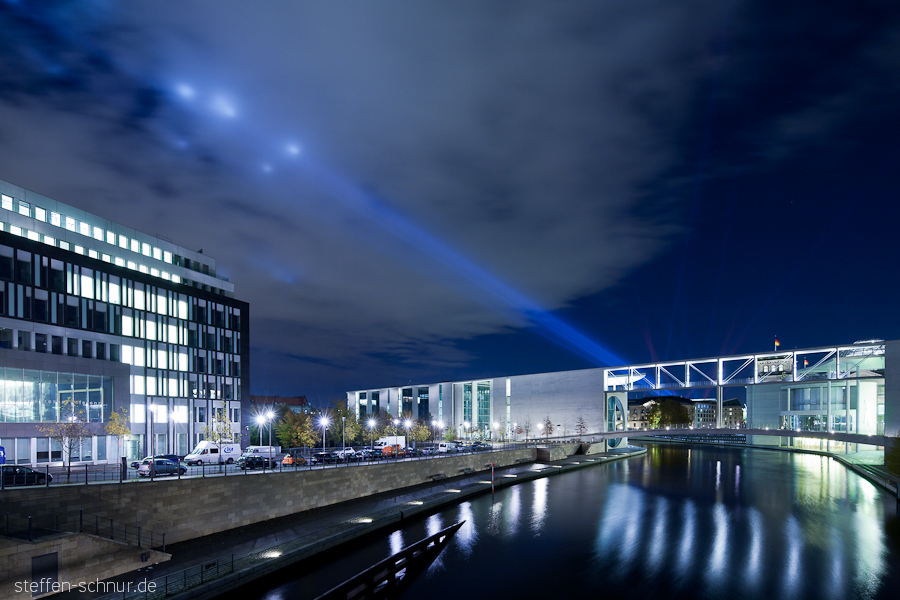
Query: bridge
[(853, 438)]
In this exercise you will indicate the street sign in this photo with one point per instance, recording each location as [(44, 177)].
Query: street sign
[(2, 455)]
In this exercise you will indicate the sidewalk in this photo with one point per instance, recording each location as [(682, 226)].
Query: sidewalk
[(272, 545)]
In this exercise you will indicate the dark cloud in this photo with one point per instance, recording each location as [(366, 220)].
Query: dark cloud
[(554, 144)]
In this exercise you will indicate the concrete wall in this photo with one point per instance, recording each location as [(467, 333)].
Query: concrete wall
[(82, 558), (195, 507), (562, 396)]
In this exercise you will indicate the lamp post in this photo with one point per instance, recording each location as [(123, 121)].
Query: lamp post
[(407, 424), (540, 429), (516, 431), (324, 422), (466, 426), (270, 416), (372, 430), (496, 427)]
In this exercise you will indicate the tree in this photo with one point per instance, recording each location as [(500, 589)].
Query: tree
[(892, 456), (119, 426), (70, 432), (526, 426), (219, 429), (668, 412), (420, 432), (580, 426), (343, 425), (450, 434), (548, 426)]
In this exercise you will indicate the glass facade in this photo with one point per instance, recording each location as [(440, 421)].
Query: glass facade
[(484, 408), (28, 396)]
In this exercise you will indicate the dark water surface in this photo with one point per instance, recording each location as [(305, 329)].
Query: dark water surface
[(680, 522)]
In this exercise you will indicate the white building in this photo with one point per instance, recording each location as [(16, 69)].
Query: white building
[(97, 313)]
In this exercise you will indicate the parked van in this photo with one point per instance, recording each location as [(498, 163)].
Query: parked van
[(448, 447), (267, 451), (210, 453), (390, 440)]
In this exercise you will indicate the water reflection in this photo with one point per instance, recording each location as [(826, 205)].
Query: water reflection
[(754, 560), (514, 509), (396, 541), (539, 507), (467, 535), (686, 547)]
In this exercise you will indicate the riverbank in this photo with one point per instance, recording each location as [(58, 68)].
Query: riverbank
[(209, 566), (874, 473)]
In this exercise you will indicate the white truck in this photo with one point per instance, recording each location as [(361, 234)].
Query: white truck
[(210, 453), (390, 440)]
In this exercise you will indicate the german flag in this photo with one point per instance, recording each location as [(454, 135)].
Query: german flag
[(777, 343)]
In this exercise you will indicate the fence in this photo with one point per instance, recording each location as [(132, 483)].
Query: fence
[(31, 529)]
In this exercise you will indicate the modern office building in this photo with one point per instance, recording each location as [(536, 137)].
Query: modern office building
[(853, 388), (96, 314)]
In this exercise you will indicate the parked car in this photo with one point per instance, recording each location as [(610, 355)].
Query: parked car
[(481, 446), (173, 457), (293, 458), (369, 454), (161, 466), (322, 457), (345, 454), (17, 475), (256, 462)]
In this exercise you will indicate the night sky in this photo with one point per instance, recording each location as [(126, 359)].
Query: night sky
[(423, 191)]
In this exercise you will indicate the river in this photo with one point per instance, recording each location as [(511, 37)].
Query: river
[(679, 522)]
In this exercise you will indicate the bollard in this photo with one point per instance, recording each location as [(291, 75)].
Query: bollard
[(85, 474), (29, 529), (112, 531), (47, 476)]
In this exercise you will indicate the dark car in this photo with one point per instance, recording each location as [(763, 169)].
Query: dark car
[(15, 475), (256, 461), (161, 466), (322, 457), (481, 446)]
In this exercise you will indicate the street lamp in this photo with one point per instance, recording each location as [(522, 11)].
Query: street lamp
[(343, 439), (496, 427), (466, 425), (372, 429), (407, 423), (433, 432), (540, 429), (324, 423), (516, 431)]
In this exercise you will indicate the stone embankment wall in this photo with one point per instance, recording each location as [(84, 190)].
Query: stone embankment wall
[(195, 507)]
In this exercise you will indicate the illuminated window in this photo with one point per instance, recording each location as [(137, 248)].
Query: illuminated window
[(70, 223), (84, 229), (106, 258), (127, 354), (93, 254), (167, 256), (87, 284), (119, 261), (126, 320), (138, 357), (79, 249), (143, 269), (157, 253), (137, 384), (15, 230), (49, 240), (7, 202), (110, 238), (165, 276), (64, 245), (150, 326), (176, 279), (182, 308), (132, 265), (98, 234), (145, 249), (24, 209), (40, 214), (135, 246), (34, 235), (162, 359), (55, 219), (123, 242), (161, 304), (154, 272)]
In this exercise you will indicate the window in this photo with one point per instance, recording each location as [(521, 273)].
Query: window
[(84, 229), (201, 414), (86, 350), (72, 347), (40, 342), (110, 238), (40, 214), (55, 219), (56, 345), (101, 350), (7, 202), (98, 234), (24, 209)]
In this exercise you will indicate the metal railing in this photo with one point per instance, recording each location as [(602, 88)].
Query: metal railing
[(31, 528)]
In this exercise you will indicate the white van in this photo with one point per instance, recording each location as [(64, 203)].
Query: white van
[(266, 451), (448, 447), (210, 453)]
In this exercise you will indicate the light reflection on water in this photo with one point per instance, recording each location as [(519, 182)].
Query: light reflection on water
[(677, 523)]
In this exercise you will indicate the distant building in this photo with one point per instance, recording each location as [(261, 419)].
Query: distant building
[(298, 404)]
